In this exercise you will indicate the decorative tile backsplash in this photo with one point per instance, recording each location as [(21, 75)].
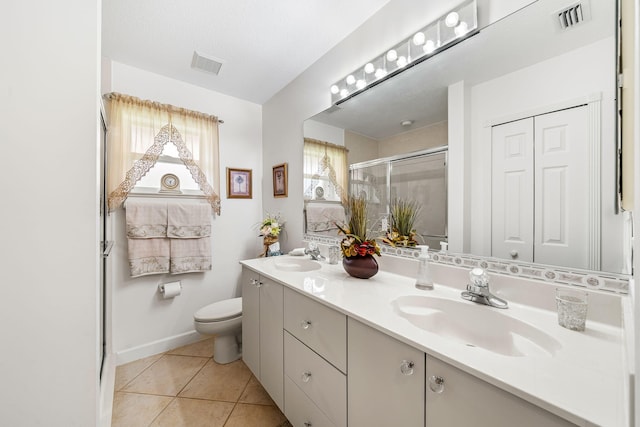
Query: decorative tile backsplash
[(599, 280)]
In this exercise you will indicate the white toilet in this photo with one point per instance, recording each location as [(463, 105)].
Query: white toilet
[(224, 320)]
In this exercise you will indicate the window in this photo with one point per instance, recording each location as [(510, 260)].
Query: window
[(325, 171)]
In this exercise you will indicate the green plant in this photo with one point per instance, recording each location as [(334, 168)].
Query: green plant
[(356, 241), (403, 216)]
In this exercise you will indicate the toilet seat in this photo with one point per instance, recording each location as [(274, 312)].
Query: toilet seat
[(219, 311)]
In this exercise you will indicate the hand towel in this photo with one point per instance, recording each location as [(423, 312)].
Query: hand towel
[(189, 255), (148, 256), (188, 220), (322, 217), (146, 219)]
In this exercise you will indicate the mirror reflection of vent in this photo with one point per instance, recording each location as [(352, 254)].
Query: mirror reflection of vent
[(573, 15), (206, 64)]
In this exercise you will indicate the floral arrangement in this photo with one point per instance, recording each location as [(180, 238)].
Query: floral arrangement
[(356, 241), (403, 216), (271, 226)]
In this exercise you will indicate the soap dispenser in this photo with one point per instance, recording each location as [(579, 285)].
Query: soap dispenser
[(424, 280)]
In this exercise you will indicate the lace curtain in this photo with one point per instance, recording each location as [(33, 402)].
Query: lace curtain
[(325, 159), (137, 133)]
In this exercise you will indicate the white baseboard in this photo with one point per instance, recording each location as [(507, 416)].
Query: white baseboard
[(155, 347)]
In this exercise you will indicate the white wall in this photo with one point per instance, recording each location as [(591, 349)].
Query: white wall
[(308, 94), (144, 323), (49, 97), (576, 75)]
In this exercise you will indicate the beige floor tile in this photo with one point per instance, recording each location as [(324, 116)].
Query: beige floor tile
[(202, 348), (194, 413), (255, 393), (128, 371), (167, 376), (219, 382), (136, 410), (245, 415)]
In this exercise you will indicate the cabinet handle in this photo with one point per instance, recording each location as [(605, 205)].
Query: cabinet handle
[(513, 253), (307, 424), (305, 324), (256, 282), (406, 367), (306, 377), (436, 384)]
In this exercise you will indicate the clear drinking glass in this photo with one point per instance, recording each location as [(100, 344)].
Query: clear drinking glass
[(572, 308)]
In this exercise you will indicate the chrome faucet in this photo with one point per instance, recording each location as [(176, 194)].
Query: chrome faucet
[(314, 252), (478, 290)]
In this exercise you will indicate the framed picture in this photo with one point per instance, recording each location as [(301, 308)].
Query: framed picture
[(280, 180), (238, 183)]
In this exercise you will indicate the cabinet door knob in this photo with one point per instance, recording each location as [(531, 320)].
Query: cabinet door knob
[(406, 367), (306, 324), (307, 424), (256, 283), (513, 253), (436, 384), (306, 377)]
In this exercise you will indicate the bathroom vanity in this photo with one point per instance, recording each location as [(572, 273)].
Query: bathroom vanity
[(332, 350)]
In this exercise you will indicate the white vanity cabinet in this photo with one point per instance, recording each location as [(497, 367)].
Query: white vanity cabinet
[(386, 380), (262, 332), (315, 362), (455, 398)]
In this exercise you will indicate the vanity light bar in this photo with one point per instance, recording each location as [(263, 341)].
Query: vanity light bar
[(450, 28)]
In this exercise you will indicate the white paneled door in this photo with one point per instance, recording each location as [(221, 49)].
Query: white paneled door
[(541, 194)]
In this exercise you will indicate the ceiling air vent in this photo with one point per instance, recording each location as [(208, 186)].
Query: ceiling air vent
[(206, 64), (573, 15)]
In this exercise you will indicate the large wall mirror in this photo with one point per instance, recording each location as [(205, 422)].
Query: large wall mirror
[(528, 112)]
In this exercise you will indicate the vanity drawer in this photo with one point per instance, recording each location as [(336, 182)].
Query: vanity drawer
[(318, 326), (322, 383), (300, 410)]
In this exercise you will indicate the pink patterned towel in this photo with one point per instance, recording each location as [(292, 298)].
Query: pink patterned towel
[(189, 255), (188, 220), (146, 219), (148, 256)]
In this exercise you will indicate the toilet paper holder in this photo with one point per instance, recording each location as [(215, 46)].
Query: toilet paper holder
[(170, 290)]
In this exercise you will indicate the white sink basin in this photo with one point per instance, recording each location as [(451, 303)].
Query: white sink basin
[(476, 325), (301, 264)]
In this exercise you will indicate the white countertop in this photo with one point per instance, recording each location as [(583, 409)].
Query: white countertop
[(582, 382)]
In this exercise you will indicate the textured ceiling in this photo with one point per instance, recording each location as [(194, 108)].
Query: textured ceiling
[(263, 44)]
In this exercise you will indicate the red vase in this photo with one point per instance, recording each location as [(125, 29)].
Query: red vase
[(361, 267)]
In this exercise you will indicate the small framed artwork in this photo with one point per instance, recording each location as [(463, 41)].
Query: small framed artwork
[(280, 180), (238, 183)]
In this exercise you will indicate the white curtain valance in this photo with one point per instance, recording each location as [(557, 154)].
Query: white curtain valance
[(137, 132), (326, 159)]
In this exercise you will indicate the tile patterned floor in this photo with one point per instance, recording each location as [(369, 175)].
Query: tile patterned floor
[(186, 388)]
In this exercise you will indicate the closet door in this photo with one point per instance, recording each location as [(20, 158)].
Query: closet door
[(562, 194), (512, 191)]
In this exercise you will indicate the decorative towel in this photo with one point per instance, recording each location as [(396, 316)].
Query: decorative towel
[(189, 255), (148, 256), (146, 219), (321, 217), (188, 220)]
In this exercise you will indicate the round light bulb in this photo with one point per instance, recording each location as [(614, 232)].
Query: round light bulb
[(429, 46), (360, 84), (335, 89), (350, 79), (344, 93), (461, 29), (392, 55), (418, 38), (380, 73), (402, 61), (452, 19), (369, 68)]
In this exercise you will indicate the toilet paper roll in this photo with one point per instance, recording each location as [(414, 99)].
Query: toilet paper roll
[(170, 290)]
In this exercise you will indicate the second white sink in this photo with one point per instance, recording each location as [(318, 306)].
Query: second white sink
[(298, 264), (476, 325)]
